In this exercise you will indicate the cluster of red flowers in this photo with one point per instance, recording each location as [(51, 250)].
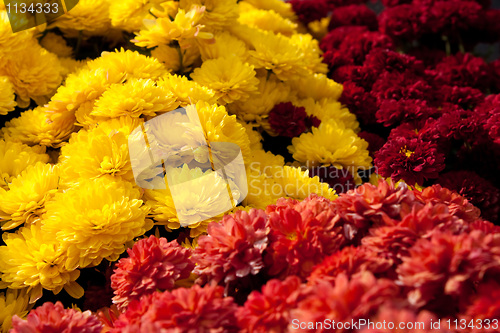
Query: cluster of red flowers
[(428, 107), (376, 251)]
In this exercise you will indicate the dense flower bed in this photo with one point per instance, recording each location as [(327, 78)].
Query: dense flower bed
[(370, 192)]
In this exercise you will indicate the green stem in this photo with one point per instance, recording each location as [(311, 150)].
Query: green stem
[(79, 42), (181, 64)]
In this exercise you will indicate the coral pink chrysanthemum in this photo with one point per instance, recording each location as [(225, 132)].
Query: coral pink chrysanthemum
[(153, 264), (233, 247), (51, 317), (195, 309)]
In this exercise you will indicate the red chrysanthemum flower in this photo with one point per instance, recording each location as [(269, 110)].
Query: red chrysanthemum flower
[(181, 310), (360, 102), (302, 236), (153, 264), (233, 247), (335, 38), (451, 18), (269, 309), (289, 120), (359, 15), (443, 270), (457, 205), (51, 317), (309, 10), (486, 305), (464, 97), (384, 60), (402, 22), (346, 299), (412, 160), (390, 242), (463, 70), (368, 206), (480, 192), (393, 112), (406, 85), (349, 261)]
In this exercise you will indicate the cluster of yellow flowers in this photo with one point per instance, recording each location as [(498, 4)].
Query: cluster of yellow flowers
[(68, 199)]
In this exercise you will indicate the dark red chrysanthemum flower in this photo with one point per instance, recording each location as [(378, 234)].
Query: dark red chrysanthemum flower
[(360, 102), (359, 15), (269, 310), (443, 269), (393, 112), (450, 18), (335, 38), (309, 10), (464, 97), (302, 236), (383, 60), (412, 160), (402, 22), (457, 205), (346, 299), (289, 120), (463, 70), (489, 111), (480, 192), (233, 247), (51, 317), (370, 205), (153, 264), (406, 85), (181, 310), (349, 261)]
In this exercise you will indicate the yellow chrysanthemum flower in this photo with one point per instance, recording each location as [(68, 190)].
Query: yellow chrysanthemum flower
[(187, 92), (24, 201), (95, 219), (229, 77), (267, 20), (12, 43), (226, 45), (270, 181), (90, 16), (135, 98), (270, 92), (7, 98), (218, 126), (128, 64), (326, 108), (202, 205), (253, 135), (280, 55), (70, 65), (128, 14), (40, 127), (33, 259), (13, 302), (331, 144), (319, 28), (93, 153), (280, 7), (184, 28), (311, 52), (218, 13), (56, 44), (176, 59), (315, 86), (34, 72), (15, 157)]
